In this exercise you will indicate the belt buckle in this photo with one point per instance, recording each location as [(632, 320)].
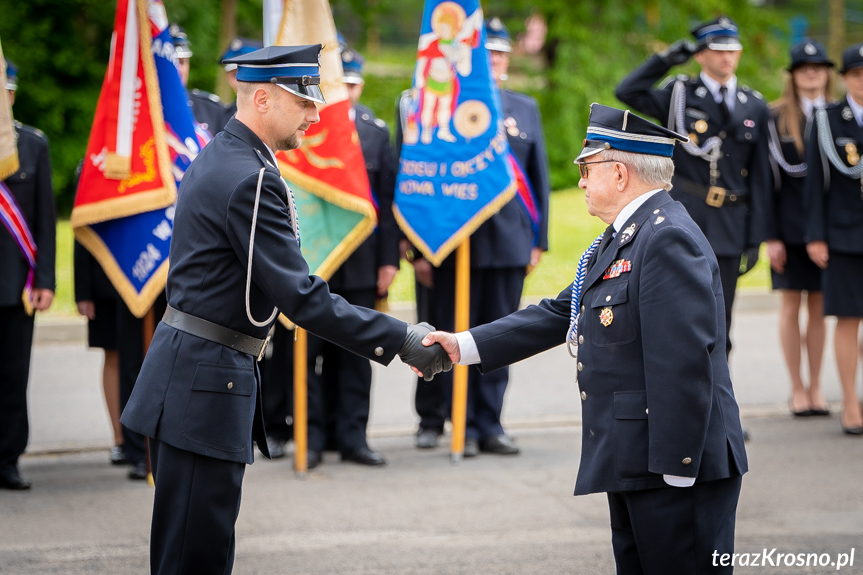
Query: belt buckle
[(715, 196), (263, 349)]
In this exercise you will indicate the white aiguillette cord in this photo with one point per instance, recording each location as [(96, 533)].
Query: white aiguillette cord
[(251, 253)]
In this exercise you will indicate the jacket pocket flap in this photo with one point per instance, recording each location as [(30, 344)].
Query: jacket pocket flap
[(630, 405), (610, 294), (224, 379)]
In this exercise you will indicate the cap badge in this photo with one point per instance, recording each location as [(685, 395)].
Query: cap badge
[(617, 268), (236, 44), (725, 22), (847, 114), (701, 91), (700, 126), (810, 49), (606, 316)]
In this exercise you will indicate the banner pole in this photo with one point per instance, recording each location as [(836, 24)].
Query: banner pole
[(149, 328), (462, 323), (301, 464)]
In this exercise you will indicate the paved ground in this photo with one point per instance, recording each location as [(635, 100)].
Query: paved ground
[(422, 514)]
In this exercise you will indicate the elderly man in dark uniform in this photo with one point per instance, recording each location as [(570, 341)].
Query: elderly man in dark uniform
[(340, 382), (207, 108), (235, 262), (503, 250), (661, 437), (27, 248), (724, 168)]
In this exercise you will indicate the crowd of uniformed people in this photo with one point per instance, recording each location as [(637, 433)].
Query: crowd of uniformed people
[(787, 174)]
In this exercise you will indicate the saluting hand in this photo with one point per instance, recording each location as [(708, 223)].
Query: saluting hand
[(678, 53)]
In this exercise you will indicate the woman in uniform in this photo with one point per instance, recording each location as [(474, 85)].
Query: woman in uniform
[(807, 87), (834, 204)]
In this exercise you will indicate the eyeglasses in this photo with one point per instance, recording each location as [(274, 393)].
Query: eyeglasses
[(584, 170)]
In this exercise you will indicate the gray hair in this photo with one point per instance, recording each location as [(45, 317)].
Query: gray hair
[(653, 170)]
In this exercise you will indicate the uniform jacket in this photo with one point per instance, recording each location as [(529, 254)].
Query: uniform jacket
[(655, 389), (835, 214), (201, 396), (505, 239), (744, 164), (360, 271), (784, 215), (32, 189), (208, 110)]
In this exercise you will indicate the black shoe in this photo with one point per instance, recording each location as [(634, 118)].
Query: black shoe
[(745, 435), (138, 471), (853, 430), (427, 438), (499, 444), (803, 413), (11, 479), (313, 459), (118, 455), (364, 456), (276, 447), (820, 412), (471, 447)]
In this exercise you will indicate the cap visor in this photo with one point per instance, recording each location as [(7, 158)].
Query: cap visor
[(498, 45), (352, 79), (726, 44), (311, 92), (586, 153)]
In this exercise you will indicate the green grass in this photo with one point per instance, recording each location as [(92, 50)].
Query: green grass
[(571, 229)]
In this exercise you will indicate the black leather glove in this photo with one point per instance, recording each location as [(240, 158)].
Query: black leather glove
[(429, 360), (678, 53)]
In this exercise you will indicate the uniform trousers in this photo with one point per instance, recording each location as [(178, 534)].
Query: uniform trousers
[(674, 530), (16, 341), (494, 293), (195, 509), (729, 272), (340, 385)]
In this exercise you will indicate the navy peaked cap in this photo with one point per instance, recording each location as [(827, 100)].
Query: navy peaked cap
[(808, 51), (612, 129), (852, 57), (718, 34), (297, 69), (497, 37)]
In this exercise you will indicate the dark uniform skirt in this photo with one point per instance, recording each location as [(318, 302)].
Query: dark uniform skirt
[(843, 285), (102, 331), (800, 274)]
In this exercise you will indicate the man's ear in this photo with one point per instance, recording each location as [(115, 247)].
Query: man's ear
[(261, 99), (621, 174)]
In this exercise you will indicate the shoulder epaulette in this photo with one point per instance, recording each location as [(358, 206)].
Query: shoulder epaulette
[(670, 79), (755, 93), (659, 218), (30, 130)]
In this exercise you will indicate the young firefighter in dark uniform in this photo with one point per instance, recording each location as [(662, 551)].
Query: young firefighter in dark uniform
[(207, 108), (503, 250), (834, 230), (661, 429), (792, 118), (340, 382), (235, 262), (28, 206), (722, 170)]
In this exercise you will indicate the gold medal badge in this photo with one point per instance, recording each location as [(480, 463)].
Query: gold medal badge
[(693, 137), (851, 151), (606, 316), (700, 126)]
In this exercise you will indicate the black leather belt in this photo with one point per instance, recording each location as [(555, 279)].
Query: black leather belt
[(712, 195), (215, 333)]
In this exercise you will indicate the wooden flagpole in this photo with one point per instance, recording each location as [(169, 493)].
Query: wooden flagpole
[(301, 429), (462, 323)]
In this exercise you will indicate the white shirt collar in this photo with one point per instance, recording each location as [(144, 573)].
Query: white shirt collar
[(856, 108), (272, 155), (630, 209), (808, 105), (714, 86)]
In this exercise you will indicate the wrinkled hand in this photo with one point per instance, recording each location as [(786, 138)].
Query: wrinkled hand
[(678, 53), (426, 361), (447, 341), (41, 298)]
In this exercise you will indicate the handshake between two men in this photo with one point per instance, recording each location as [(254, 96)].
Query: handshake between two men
[(422, 355)]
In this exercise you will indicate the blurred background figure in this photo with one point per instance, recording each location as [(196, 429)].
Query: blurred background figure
[(237, 47), (807, 87), (339, 381), (28, 204), (207, 108), (834, 227)]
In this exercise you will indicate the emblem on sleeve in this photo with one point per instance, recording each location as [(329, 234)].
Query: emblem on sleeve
[(606, 316)]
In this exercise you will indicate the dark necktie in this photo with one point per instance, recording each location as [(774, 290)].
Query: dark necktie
[(607, 237), (723, 106)]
